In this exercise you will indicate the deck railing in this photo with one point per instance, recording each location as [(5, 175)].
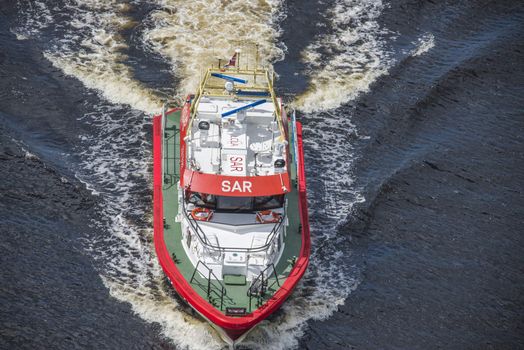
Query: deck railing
[(195, 227), (170, 157), (294, 138), (259, 286), (211, 287)]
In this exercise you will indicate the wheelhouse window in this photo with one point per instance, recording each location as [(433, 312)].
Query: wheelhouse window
[(268, 202), (202, 200), (235, 204), (239, 204)]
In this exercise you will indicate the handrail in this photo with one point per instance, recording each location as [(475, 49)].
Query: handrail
[(209, 284), (263, 284), (198, 96), (163, 127), (295, 138), (166, 157), (205, 242), (263, 272), (276, 104), (174, 157)]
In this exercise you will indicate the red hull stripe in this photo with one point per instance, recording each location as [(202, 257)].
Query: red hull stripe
[(233, 326)]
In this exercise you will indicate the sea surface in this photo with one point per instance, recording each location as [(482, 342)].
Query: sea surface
[(413, 115)]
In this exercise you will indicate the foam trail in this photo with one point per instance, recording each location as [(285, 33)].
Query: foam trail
[(425, 43), (113, 80), (186, 331), (35, 18), (194, 34), (341, 64), (115, 161), (89, 46), (346, 61)]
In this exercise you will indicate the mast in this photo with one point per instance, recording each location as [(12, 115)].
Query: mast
[(256, 64)]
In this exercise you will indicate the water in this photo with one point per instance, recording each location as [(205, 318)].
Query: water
[(413, 117)]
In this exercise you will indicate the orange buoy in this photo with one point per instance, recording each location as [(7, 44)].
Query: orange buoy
[(202, 214), (267, 216)]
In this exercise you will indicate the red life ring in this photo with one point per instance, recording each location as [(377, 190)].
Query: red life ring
[(268, 216), (202, 214)]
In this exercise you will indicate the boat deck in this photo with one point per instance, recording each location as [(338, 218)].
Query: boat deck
[(235, 292)]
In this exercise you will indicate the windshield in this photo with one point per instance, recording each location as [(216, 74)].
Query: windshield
[(235, 204)]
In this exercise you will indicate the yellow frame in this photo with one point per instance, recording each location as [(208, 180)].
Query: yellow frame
[(203, 86)]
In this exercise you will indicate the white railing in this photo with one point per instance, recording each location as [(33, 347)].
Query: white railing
[(295, 139), (162, 133)]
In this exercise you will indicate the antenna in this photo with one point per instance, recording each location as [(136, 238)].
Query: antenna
[(238, 59), (256, 56), (256, 64)]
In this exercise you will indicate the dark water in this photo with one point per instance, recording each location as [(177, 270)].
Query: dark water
[(435, 148)]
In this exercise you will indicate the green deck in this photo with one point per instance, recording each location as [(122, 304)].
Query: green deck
[(236, 292)]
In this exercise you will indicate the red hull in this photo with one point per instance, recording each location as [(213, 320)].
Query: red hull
[(234, 327)]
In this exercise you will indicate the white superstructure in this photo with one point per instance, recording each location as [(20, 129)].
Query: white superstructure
[(245, 144), (228, 138)]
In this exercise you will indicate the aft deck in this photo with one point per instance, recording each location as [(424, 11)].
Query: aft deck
[(229, 293)]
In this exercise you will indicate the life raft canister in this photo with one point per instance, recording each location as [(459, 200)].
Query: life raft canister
[(267, 216), (202, 214)]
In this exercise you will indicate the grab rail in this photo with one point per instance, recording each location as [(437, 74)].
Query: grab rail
[(258, 286), (294, 138), (210, 285), (173, 174)]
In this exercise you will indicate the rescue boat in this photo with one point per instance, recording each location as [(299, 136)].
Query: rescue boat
[(231, 228)]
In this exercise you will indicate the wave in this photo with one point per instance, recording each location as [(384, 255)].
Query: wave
[(344, 62), (104, 73), (425, 43), (34, 18), (87, 43), (341, 64), (193, 35), (354, 53)]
